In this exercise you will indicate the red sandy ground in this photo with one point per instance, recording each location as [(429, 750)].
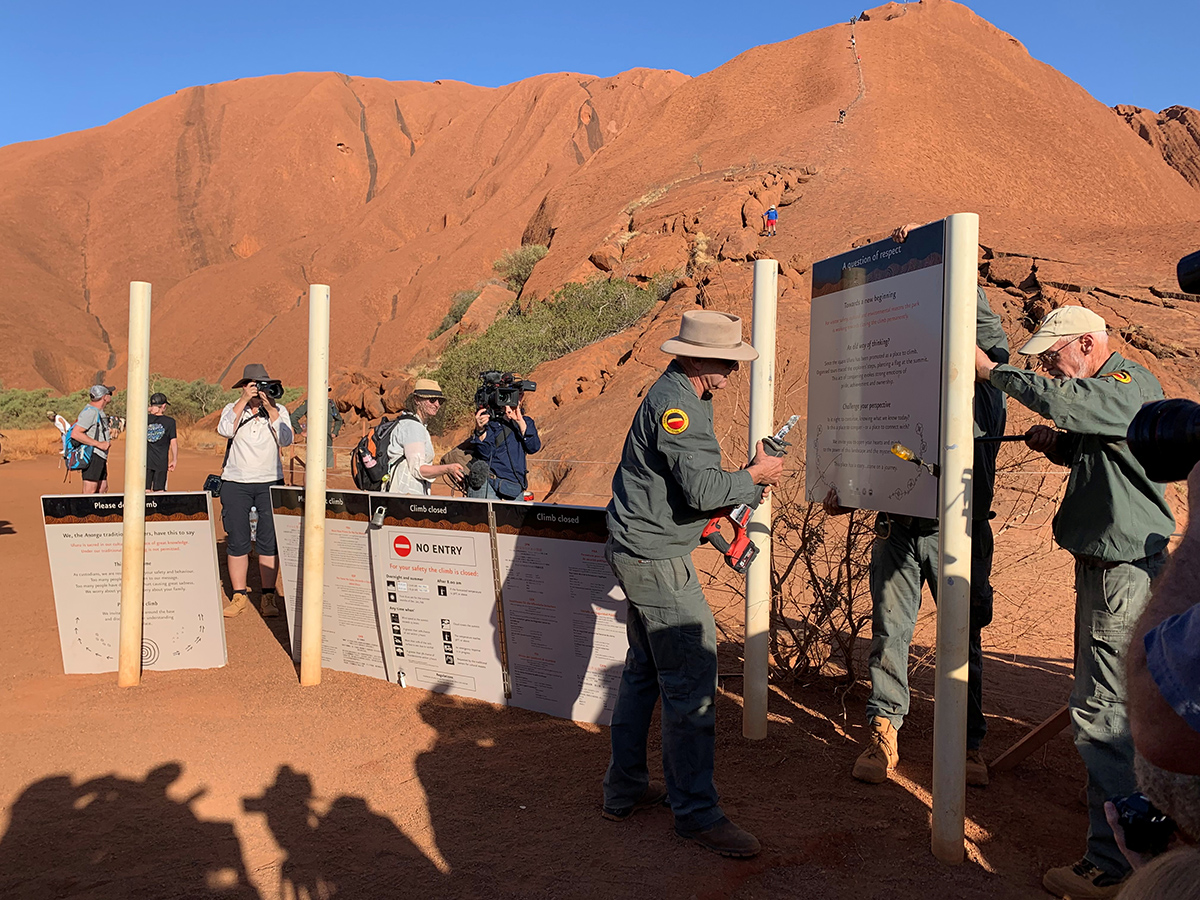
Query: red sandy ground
[(237, 782)]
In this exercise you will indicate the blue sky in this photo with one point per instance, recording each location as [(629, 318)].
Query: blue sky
[(72, 65)]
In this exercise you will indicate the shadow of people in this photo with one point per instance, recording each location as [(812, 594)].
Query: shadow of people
[(6, 527), (347, 852), (115, 837)]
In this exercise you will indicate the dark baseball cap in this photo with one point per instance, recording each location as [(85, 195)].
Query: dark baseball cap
[(159, 400)]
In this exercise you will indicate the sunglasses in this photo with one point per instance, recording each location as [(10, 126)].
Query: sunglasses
[(1050, 357)]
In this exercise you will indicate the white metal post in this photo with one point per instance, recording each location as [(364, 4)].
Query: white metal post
[(954, 547), (314, 485), (758, 576), (133, 517)]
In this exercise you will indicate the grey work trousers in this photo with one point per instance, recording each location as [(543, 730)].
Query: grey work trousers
[(1108, 603), (902, 558), (672, 655)]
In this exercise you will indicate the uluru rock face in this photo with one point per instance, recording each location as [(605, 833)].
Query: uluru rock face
[(232, 198), (1174, 132)]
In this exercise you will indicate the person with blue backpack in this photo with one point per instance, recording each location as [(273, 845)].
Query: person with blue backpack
[(91, 438)]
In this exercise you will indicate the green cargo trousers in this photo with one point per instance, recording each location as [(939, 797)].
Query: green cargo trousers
[(673, 657), (1108, 602)]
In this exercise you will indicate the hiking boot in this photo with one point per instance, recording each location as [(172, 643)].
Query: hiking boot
[(977, 771), (725, 838), (875, 764), (270, 609), (653, 795), (1082, 881), (237, 605)]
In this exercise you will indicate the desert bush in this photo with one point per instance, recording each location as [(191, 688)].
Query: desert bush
[(575, 316), (190, 400), (460, 302), (515, 266)]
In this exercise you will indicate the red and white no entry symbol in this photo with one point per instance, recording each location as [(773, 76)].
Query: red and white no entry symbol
[(402, 545)]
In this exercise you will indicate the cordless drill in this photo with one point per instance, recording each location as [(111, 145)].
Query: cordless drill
[(741, 552)]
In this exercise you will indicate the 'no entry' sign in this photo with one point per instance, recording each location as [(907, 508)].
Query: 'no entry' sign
[(402, 545)]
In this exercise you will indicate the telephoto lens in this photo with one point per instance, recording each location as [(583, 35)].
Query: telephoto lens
[(1165, 438), (1188, 272)]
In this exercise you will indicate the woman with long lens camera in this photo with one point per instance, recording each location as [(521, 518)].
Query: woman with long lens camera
[(257, 427)]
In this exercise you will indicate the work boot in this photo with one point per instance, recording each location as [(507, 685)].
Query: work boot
[(725, 838), (1082, 881), (977, 771), (653, 795), (876, 764), (237, 604), (270, 609)]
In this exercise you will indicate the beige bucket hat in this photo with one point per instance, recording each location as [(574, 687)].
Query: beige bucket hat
[(1066, 321), (428, 389), (710, 335)]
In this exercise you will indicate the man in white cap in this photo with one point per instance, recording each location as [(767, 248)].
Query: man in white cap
[(92, 428), (1116, 522), (668, 485)]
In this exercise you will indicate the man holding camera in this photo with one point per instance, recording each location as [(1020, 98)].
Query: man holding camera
[(503, 437), (1116, 522), (668, 485)]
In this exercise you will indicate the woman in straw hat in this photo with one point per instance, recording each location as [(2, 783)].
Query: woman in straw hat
[(410, 449)]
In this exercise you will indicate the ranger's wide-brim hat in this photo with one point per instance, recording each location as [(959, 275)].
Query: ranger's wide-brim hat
[(710, 335), (428, 389), (1066, 321), (253, 372)]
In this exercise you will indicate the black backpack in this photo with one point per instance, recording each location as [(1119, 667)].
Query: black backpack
[(374, 446)]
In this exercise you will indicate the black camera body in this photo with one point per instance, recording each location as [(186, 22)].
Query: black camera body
[(272, 388), (1147, 828), (500, 389)]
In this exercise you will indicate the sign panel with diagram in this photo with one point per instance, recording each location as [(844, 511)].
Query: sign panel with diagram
[(182, 624)]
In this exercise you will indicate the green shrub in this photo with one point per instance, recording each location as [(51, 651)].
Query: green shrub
[(577, 315), (460, 302), (190, 400), (515, 266)]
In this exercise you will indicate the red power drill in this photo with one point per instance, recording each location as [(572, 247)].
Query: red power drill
[(740, 553)]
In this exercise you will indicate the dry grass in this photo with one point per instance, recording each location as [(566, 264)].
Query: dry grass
[(206, 440), (26, 443)]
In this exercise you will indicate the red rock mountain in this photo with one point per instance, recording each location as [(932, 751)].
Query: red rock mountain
[(231, 198)]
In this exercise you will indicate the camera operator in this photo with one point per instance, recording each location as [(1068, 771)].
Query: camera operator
[(1115, 521), (257, 427), (503, 437)]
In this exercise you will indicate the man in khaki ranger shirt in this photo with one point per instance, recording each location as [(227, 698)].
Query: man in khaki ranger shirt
[(668, 485), (1116, 523)]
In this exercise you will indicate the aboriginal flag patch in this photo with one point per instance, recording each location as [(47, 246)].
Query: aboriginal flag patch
[(1122, 377), (675, 421)]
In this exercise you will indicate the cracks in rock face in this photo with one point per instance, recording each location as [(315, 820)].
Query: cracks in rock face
[(234, 359), (193, 160), (87, 296), (372, 166), (412, 145), (595, 137)]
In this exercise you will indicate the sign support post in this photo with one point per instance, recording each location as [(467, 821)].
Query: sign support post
[(312, 614), (956, 452), (755, 668), (133, 529)]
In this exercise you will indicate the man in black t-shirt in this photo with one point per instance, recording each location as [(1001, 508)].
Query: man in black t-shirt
[(162, 447)]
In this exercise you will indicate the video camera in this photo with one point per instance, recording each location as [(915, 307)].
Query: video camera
[(500, 390), (272, 388), (1165, 435)]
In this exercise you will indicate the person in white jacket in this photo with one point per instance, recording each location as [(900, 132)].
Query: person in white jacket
[(257, 428), (410, 450)]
